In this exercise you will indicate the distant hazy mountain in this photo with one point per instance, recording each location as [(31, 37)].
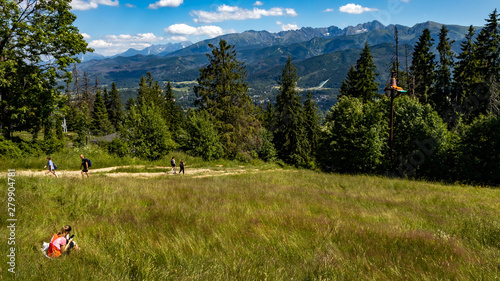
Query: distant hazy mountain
[(254, 39), (322, 56), (90, 56), (160, 49)]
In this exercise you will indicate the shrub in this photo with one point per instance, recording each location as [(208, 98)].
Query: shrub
[(118, 147), (203, 139), (479, 151), (10, 149)]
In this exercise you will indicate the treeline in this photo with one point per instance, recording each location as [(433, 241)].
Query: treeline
[(447, 126)]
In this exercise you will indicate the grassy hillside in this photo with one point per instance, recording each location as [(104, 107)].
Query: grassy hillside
[(273, 224)]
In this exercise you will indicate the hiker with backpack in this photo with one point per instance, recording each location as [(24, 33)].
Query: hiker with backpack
[(52, 167), (86, 163)]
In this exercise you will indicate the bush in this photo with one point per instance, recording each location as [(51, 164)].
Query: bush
[(10, 149), (479, 151), (267, 151), (118, 147), (203, 139), (354, 138)]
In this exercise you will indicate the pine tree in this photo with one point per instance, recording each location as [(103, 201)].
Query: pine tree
[(115, 107), (105, 99), (100, 124), (466, 73), (423, 67), (149, 91), (488, 55), (146, 132), (367, 88), (173, 113), (348, 86), (290, 137), (441, 98), (222, 92), (269, 118), (311, 122), (360, 80)]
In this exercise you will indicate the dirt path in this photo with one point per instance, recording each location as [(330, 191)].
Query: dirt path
[(111, 172)]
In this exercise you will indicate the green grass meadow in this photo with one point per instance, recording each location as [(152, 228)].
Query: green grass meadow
[(272, 225)]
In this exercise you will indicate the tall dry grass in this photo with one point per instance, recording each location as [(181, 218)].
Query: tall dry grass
[(275, 225)]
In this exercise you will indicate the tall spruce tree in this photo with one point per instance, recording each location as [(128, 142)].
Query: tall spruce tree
[(360, 81), (173, 113), (100, 124), (488, 55), (115, 107), (290, 136), (465, 74), (423, 67), (348, 86), (311, 123), (366, 69), (441, 98), (149, 91), (222, 92)]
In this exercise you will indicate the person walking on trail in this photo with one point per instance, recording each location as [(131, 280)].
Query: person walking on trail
[(52, 168), (181, 165), (84, 166), (172, 162)]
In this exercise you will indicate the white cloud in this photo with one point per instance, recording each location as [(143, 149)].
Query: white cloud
[(287, 27), (165, 3), (355, 9), (184, 30), (226, 12), (258, 3), (114, 44), (99, 44), (83, 5), (85, 35), (328, 10), (179, 38), (130, 5)]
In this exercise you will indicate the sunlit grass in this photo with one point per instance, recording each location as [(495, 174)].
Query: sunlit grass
[(277, 224)]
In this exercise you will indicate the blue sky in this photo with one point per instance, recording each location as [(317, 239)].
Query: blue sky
[(113, 26)]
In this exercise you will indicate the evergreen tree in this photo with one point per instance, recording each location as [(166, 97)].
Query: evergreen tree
[(269, 118), (488, 55), (222, 92), (423, 67), (466, 70), (367, 88), (290, 137), (360, 80), (311, 122), (115, 107), (82, 123), (105, 99), (100, 124), (146, 132), (173, 113), (348, 86), (149, 91), (441, 98)]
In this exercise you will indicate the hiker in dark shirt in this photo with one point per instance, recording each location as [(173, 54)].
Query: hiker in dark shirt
[(181, 165), (85, 166)]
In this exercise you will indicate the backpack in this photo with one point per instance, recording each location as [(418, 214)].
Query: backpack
[(55, 166), (90, 162)]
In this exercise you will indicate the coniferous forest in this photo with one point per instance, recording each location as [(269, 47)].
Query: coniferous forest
[(446, 126)]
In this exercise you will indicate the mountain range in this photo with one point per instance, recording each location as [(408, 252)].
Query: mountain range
[(322, 56)]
